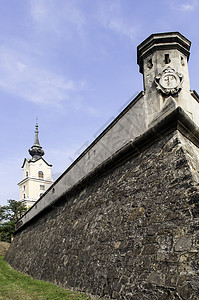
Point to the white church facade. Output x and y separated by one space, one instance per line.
36 175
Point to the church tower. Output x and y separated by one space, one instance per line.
36 174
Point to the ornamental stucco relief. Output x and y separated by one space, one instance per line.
169 82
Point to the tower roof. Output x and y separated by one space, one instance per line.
162 41
36 150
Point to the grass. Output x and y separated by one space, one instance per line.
17 286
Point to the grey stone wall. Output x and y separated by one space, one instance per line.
132 233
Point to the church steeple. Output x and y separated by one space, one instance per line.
36 150
36 174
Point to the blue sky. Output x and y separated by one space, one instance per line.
73 64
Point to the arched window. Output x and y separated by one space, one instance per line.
40 195
40 174
26 173
24 196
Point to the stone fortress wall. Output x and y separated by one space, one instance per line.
128 125
123 221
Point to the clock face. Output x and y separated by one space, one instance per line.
169 81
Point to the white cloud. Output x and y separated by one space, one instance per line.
24 74
29 81
39 10
62 19
186 7
111 16
68 18
120 27
183 5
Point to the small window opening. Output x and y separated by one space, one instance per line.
149 64
41 194
182 61
24 196
42 187
167 59
40 174
26 173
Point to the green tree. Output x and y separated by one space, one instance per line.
9 214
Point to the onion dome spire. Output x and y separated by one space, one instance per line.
36 150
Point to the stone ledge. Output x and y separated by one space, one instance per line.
195 95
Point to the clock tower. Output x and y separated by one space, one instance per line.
36 174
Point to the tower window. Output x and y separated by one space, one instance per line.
149 64
24 187
167 59
182 61
42 187
26 173
40 174
24 196
40 194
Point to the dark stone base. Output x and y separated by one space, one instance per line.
132 234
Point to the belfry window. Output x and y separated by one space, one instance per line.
40 174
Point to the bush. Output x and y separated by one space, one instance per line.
9 214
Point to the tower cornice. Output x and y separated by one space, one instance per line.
162 41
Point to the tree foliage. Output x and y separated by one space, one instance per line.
9 214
